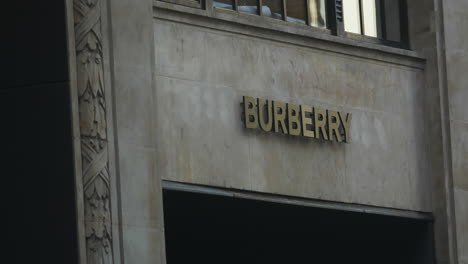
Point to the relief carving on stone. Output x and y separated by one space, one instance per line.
93 131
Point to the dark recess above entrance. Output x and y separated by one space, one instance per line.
204 228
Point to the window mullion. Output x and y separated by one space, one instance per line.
336 13
404 30
260 7
284 10
378 19
308 15
383 19
361 17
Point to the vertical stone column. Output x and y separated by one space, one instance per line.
119 197
426 24
134 98
93 128
455 53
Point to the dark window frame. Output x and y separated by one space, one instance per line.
381 26
334 19
283 12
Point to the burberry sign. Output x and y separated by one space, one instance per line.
296 120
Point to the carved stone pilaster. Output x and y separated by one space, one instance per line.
93 131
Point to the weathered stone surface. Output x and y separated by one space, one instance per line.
456 5
460 154
456 52
201 77
143 245
139 189
140 208
457 81
92 97
461 212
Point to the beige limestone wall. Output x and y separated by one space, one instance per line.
140 214
456 43
425 32
201 75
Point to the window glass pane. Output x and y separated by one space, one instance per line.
223 4
369 18
392 19
296 11
272 8
317 12
248 6
352 21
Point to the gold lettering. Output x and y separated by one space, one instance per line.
266 126
346 125
293 120
333 125
279 115
250 114
307 121
296 120
320 121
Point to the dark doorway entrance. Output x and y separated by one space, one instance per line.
202 228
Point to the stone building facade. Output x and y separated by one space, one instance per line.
156 92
